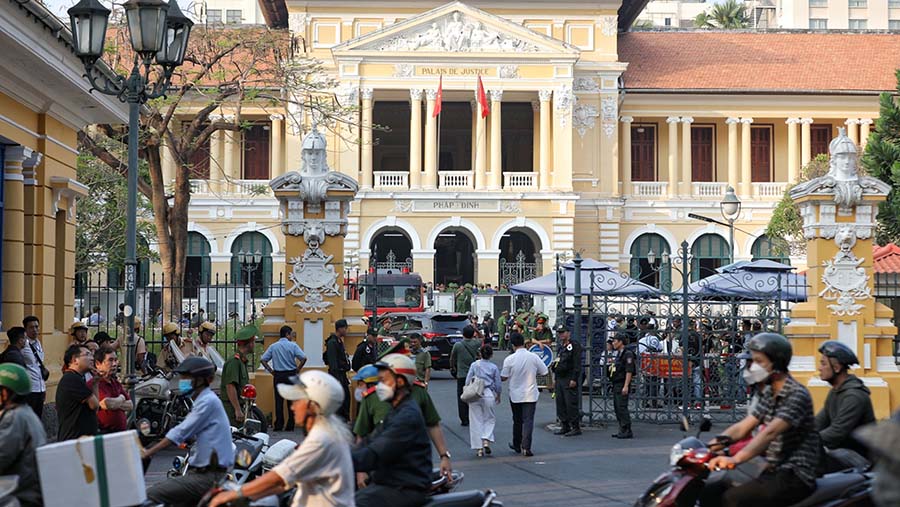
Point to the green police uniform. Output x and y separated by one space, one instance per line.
233 372
423 400
423 362
501 329
370 413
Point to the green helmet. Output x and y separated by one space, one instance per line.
15 378
775 346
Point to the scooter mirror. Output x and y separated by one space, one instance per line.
685 424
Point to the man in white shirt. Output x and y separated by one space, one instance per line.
34 360
521 368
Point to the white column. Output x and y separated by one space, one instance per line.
852 130
536 135
496 141
366 149
216 158
864 125
673 154
686 165
277 153
232 156
793 151
733 173
546 150
415 138
625 154
805 144
430 182
480 150
13 305
746 160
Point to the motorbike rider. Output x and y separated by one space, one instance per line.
321 467
21 433
207 331
848 405
398 451
789 439
207 423
235 374
169 356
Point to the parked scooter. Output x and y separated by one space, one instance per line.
158 405
251 411
682 484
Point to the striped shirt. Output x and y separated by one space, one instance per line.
797 448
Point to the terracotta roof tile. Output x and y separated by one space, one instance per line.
886 259
787 62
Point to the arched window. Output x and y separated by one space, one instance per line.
196 269
710 252
773 249
657 274
258 275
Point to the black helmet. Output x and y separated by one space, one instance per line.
837 350
775 346
196 367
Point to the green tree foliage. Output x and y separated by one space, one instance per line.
100 235
729 15
882 160
786 222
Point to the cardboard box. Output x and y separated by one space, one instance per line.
101 471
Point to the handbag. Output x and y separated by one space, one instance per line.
473 390
45 373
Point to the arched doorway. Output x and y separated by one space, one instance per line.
710 252
773 249
454 258
657 274
391 248
251 263
520 258
196 266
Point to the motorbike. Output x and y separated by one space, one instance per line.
252 413
158 405
682 484
249 456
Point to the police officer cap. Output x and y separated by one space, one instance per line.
246 334
340 323
561 328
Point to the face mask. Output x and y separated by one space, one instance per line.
384 391
185 385
755 374
359 394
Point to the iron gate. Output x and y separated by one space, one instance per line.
519 270
694 370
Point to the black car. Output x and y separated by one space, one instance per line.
439 330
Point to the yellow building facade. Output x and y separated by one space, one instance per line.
596 140
44 102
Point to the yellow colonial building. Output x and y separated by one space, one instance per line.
591 138
44 102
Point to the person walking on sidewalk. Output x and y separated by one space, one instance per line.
521 369
462 355
568 376
287 359
483 419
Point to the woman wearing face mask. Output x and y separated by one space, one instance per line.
320 468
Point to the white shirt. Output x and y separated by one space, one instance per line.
649 344
322 470
32 365
521 368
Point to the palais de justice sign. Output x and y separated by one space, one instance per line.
454 71
455 205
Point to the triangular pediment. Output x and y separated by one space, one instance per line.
455 28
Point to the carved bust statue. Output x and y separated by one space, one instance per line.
313 155
844 159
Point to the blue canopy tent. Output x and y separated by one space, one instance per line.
750 281
597 278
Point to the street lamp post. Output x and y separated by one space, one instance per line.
731 208
249 262
159 35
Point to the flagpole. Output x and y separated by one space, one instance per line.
440 114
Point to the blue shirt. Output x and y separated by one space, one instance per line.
283 354
208 424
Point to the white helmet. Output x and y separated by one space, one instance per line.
316 386
400 365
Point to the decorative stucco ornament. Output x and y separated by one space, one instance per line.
455 33
609 25
586 84
583 118
313 278
509 71
846 281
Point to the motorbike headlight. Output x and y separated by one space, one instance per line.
656 495
675 454
176 463
144 427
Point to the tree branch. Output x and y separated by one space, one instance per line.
111 160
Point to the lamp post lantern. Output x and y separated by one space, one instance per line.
159 35
731 209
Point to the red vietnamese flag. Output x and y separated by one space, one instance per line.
438 99
482 99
